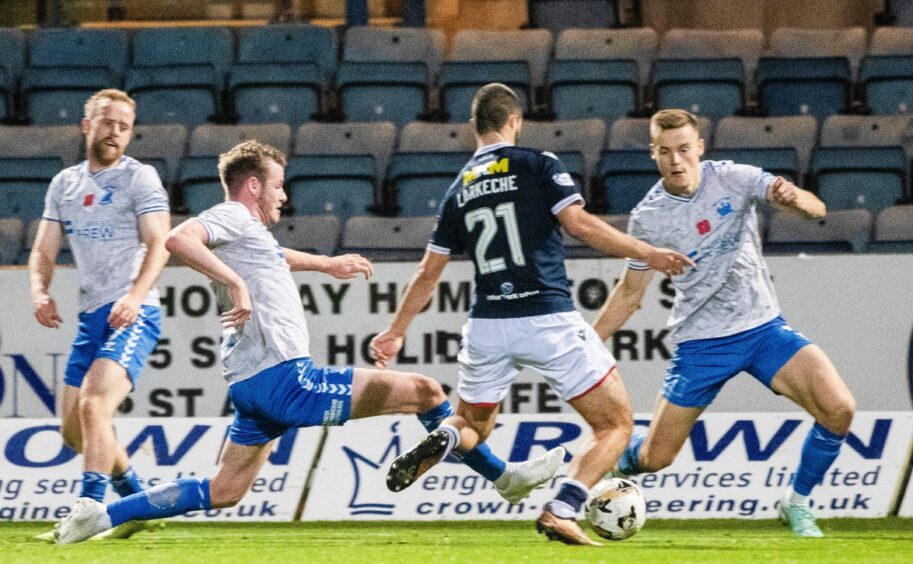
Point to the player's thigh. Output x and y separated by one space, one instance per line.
381 392
810 379
606 406
105 385
484 364
669 429
568 353
238 468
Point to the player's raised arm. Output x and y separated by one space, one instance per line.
603 237
189 242
41 269
343 267
785 194
386 344
622 302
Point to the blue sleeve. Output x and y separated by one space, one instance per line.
446 238
559 188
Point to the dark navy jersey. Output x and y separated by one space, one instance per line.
501 212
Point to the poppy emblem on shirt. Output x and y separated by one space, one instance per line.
703 227
88 200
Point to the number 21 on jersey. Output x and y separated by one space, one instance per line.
488 218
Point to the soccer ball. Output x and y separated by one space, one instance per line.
616 509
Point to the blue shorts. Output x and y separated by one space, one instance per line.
701 367
290 394
128 347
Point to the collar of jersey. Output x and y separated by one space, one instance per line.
682 198
488 148
121 164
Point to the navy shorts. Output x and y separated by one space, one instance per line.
129 347
291 394
701 367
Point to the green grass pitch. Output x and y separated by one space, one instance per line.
847 540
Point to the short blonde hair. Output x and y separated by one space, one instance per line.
670 119
244 160
109 94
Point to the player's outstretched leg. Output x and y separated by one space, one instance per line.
514 481
811 380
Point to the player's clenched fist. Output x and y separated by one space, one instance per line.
783 192
46 311
384 347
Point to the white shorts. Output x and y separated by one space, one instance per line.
560 346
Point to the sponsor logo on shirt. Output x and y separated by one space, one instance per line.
507 288
724 207
108 198
563 179
703 227
88 200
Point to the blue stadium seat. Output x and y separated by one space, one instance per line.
12 59
312 234
213 140
187 94
23 185
887 83
625 177
460 80
873 178
795 132
178 73
387 238
199 184
894 230
816 86
177 46
161 146
341 185
81 48
11 236
62 141
558 15
420 180
289 44
841 231
605 89
394 92
372 44
713 88
575 163
782 161
270 93
66 66
57 95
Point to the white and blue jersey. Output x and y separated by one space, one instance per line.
501 211
730 289
272 382
277 329
99 214
725 318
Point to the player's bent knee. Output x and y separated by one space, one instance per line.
224 495
839 416
428 392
